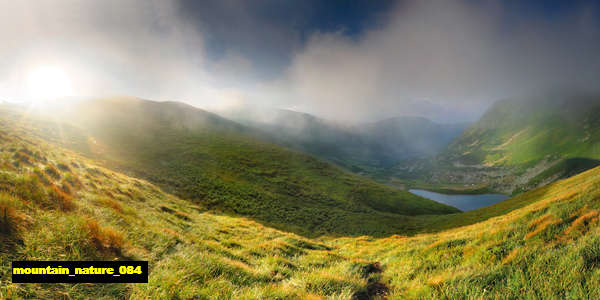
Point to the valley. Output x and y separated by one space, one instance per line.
299 150
364 148
55 199
517 145
223 165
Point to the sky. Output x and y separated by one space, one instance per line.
344 60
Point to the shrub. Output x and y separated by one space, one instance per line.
66 187
10 220
26 151
52 171
40 157
113 204
60 199
582 223
24 158
64 167
12 223
73 180
41 176
104 239
27 188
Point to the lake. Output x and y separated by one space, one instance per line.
462 202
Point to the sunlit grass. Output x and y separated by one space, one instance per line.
541 244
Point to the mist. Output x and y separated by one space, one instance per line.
111 48
444 60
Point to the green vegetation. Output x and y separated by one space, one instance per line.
56 204
193 253
517 145
515 132
225 166
443 188
548 249
563 169
366 149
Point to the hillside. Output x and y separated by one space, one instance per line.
225 166
548 249
366 148
334 142
520 144
56 204
522 131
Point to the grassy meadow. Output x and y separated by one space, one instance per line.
548 249
56 204
516 146
515 132
225 166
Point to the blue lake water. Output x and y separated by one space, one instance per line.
462 202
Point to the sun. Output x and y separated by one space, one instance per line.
48 83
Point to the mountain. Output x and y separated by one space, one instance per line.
410 137
56 204
519 144
366 148
334 142
522 131
226 166
529 252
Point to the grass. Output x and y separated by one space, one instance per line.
542 244
518 145
193 252
563 169
225 166
515 132
549 249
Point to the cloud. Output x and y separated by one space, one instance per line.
111 47
447 60
451 58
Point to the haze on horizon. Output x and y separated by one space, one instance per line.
360 61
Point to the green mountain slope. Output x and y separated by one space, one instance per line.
202 157
522 131
520 144
548 249
366 148
334 142
58 205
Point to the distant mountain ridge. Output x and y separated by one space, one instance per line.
521 131
55 203
202 157
519 144
360 147
409 137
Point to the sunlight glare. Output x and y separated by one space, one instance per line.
48 83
